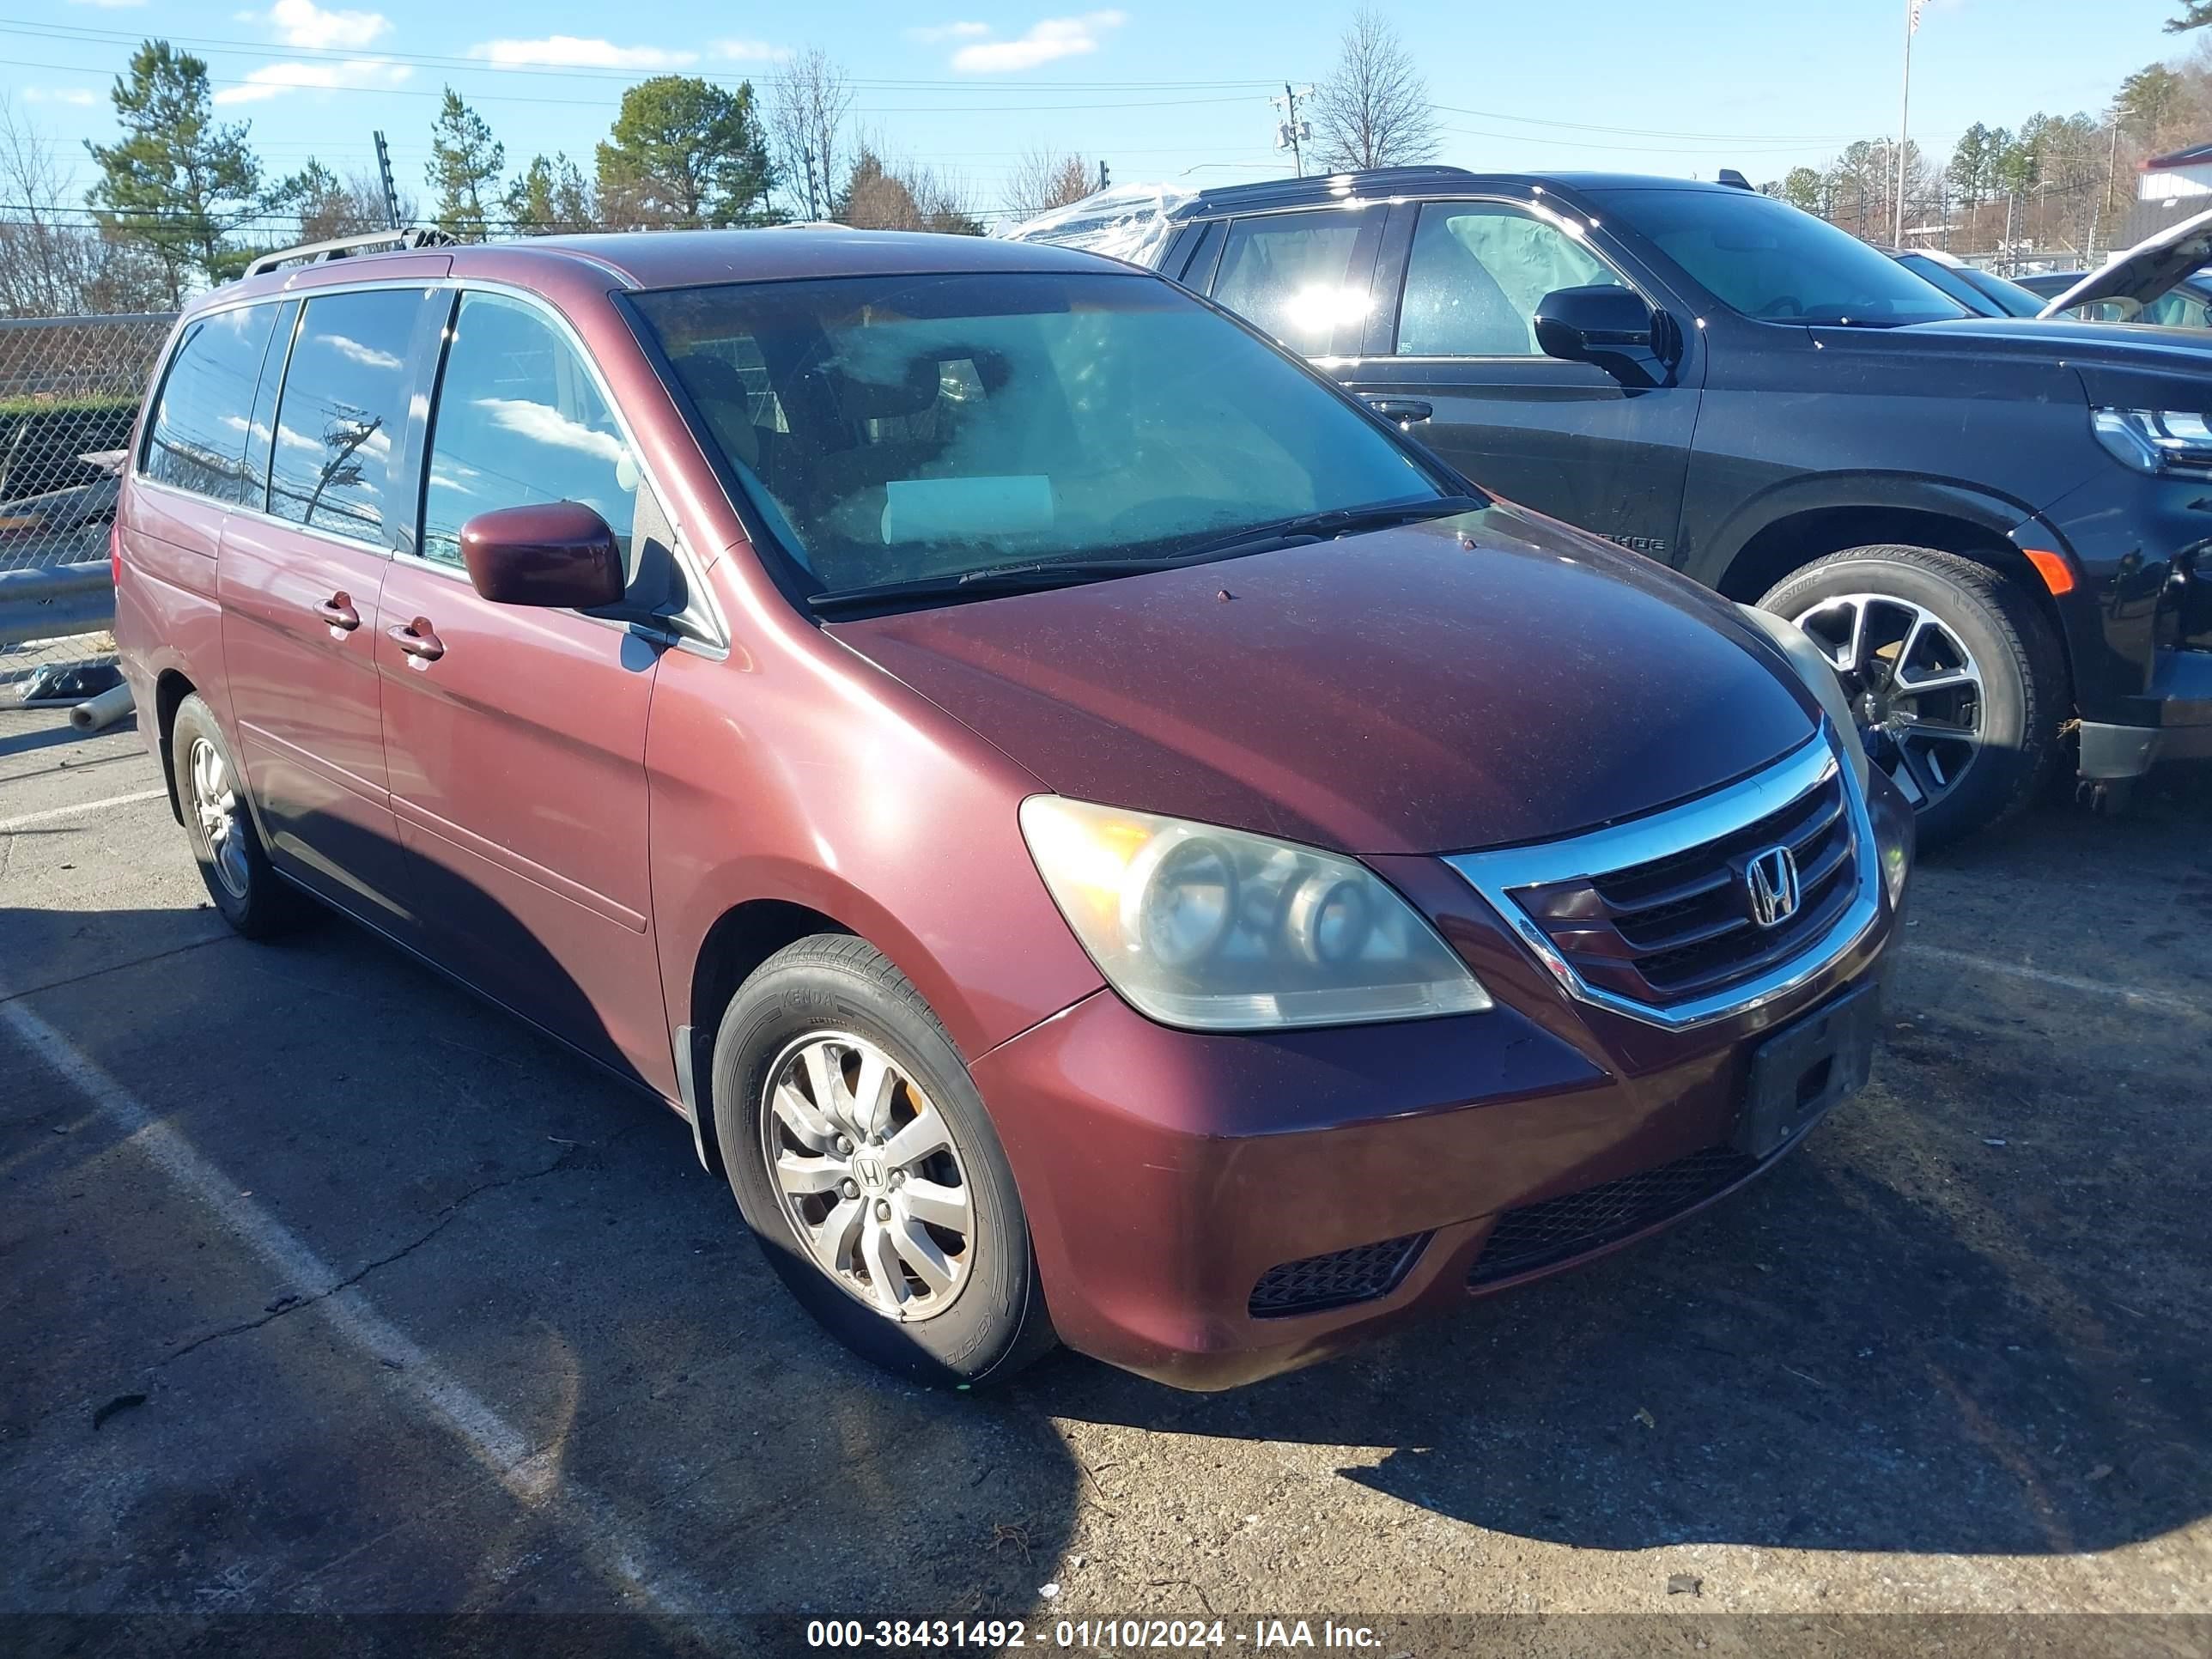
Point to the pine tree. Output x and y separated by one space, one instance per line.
465 164
175 181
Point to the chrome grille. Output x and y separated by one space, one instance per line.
1682 926
1655 917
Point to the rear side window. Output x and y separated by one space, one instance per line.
520 421
1476 275
344 407
196 439
1291 274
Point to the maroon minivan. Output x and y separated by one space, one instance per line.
1098 833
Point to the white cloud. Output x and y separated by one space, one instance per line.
1051 38
573 52
275 80
304 23
547 425
932 34
751 51
83 97
352 350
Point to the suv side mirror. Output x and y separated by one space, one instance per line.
556 554
1610 327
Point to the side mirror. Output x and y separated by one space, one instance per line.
1610 327
557 554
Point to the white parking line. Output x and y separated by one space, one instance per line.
54 813
534 1476
2062 981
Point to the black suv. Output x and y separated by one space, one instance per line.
1992 525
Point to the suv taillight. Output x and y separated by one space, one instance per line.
115 553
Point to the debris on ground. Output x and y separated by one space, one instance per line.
122 1402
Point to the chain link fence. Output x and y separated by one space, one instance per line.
69 388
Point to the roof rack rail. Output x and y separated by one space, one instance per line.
340 247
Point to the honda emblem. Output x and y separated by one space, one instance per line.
1769 882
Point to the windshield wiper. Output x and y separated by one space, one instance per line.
1043 574
1327 524
983 584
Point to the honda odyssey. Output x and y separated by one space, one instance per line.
1095 834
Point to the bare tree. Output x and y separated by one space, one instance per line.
881 195
52 263
806 114
1044 180
1373 110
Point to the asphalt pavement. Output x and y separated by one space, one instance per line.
325 1289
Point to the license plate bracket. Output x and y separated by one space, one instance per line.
1805 1068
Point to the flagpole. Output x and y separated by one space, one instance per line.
1904 118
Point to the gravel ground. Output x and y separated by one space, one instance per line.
329 1290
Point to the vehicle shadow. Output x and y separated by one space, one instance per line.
1875 1387
542 1234
1966 1318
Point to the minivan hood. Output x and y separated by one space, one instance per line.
2146 270
1489 678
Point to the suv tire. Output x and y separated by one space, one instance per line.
219 822
2010 688
797 1059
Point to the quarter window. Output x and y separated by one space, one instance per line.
343 408
520 421
1476 275
197 438
1291 275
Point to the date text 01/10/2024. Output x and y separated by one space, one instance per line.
1097 1635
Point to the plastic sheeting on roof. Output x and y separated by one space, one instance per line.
1126 222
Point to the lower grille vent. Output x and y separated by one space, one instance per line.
1357 1274
1576 1223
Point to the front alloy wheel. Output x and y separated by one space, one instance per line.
870 1178
1913 685
866 1165
1954 673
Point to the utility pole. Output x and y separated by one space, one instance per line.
2112 177
383 171
1104 177
1290 132
1905 115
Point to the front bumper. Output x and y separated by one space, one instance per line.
2138 621
1168 1174
2171 720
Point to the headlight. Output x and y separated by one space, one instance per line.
2155 440
1222 930
1818 674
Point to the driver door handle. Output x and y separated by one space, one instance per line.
417 639
337 610
1408 410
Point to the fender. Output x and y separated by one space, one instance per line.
1989 510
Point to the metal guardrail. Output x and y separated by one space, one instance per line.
55 603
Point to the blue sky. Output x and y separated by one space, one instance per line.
1161 91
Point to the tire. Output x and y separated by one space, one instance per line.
2010 649
834 1001
234 864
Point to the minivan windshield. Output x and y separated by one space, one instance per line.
914 434
1766 259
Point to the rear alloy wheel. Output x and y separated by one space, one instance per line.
863 1162
1952 674
219 823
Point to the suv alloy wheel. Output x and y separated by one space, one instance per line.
1952 672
